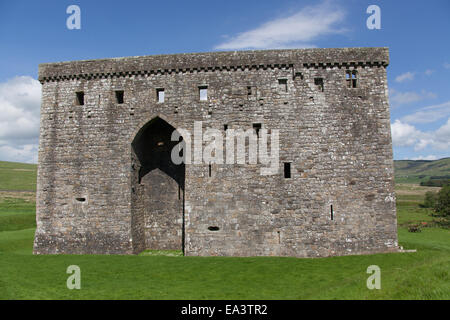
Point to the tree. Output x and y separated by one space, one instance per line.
442 205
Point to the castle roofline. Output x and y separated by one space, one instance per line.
211 61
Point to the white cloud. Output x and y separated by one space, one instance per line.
403 134
27 153
429 157
297 30
405 97
406 135
404 77
429 114
399 98
19 119
429 72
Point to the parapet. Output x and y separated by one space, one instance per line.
213 61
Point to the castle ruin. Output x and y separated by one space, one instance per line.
107 185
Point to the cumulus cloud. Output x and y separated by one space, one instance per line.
429 114
297 30
407 135
19 119
404 77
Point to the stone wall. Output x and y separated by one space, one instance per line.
93 197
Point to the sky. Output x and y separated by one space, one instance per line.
416 32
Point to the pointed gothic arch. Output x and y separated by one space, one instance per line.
157 189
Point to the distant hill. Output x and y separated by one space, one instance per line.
17 176
416 171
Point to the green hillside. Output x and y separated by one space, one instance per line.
22 176
17 176
416 171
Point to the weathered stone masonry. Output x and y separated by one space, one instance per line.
106 183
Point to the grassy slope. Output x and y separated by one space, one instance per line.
420 275
415 171
17 176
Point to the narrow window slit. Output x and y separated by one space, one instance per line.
287 170
331 212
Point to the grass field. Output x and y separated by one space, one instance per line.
17 176
168 275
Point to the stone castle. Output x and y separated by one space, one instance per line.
107 185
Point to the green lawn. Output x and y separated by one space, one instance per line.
167 275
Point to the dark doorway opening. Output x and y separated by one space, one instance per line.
159 184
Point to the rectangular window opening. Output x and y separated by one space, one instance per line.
331 212
287 170
298 76
160 95
282 85
257 127
80 98
319 83
203 93
351 78
225 127
119 96
209 170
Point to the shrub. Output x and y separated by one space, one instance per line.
430 199
414 228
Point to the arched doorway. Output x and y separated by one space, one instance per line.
157 189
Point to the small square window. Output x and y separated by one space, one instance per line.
298 76
119 97
160 95
319 83
80 98
203 93
282 85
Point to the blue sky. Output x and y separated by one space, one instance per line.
416 32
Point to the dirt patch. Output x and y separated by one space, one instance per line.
25 195
405 189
